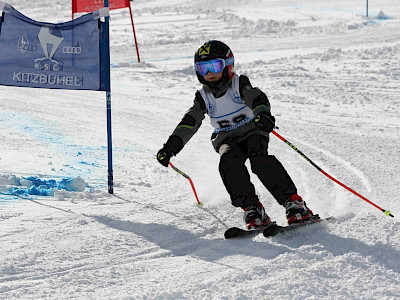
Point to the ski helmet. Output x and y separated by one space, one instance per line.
213 50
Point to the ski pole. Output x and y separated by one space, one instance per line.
190 180
386 212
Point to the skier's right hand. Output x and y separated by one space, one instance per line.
171 148
163 157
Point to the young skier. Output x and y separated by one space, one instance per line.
242 120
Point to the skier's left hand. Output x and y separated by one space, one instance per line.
265 121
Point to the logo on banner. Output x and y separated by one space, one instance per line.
50 44
77 49
23 45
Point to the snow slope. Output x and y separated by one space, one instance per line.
332 77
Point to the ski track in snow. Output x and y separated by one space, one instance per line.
332 77
341 195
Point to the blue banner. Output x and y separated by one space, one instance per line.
56 56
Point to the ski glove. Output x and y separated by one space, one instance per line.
265 121
164 157
171 148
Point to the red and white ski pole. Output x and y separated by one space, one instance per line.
190 180
386 212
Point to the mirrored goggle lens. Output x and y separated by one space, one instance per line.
213 66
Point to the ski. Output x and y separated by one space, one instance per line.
234 232
275 229
271 229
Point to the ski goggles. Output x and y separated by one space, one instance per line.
214 66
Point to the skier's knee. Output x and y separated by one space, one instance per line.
258 146
261 163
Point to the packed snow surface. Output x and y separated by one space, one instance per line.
332 76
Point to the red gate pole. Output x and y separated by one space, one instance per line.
73 8
134 33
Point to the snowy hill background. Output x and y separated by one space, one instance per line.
332 76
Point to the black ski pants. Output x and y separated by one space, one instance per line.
269 170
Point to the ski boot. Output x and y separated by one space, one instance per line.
255 216
297 210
